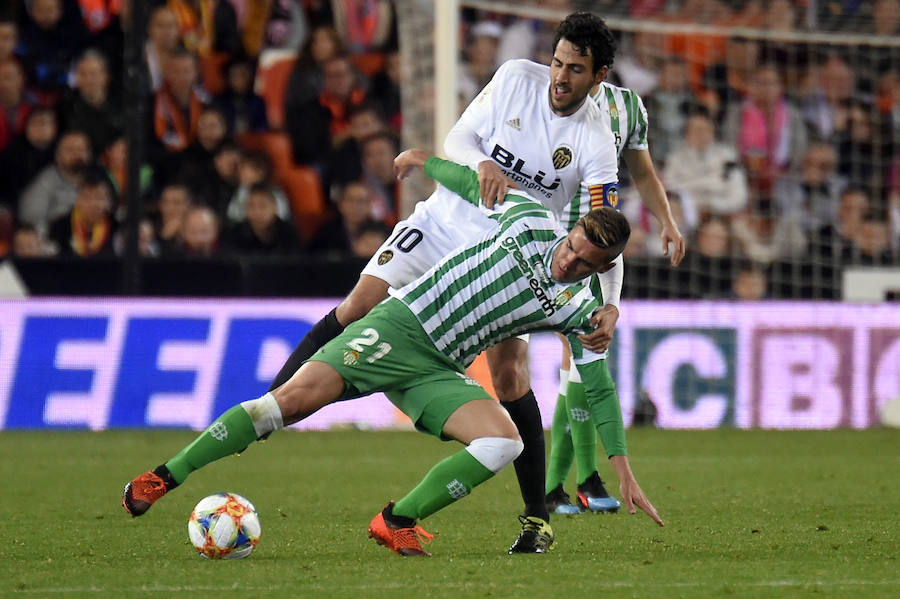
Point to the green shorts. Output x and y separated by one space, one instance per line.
388 351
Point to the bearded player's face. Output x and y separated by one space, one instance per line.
571 78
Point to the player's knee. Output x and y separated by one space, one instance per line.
495 453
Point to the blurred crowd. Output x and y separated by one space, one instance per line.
218 176
772 149
271 125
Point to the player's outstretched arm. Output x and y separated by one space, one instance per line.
408 160
631 491
653 195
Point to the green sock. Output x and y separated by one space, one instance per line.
584 435
450 479
561 452
230 433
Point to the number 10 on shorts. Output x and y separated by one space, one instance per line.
368 339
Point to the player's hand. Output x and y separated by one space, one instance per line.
492 183
407 160
604 320
671 234
631 492
632 495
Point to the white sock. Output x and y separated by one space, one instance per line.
265 414
495 453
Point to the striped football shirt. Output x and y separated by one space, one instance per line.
625 115
498 286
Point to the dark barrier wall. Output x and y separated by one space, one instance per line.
698 277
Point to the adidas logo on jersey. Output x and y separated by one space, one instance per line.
515 124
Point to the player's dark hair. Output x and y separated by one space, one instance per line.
587 31
606 228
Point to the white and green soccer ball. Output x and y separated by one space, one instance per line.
224 525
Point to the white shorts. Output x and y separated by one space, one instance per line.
425 238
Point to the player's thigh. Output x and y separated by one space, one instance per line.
508 364
477 419
430 400
313 386
566 352
415 245
384 350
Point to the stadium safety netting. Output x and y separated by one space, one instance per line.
773 127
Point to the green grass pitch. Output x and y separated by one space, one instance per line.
748 513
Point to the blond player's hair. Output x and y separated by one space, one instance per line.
606 228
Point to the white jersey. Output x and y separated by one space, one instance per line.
555 159
567 163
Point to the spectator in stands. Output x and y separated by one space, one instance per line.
384 89
323 122
15 103
835 238
344 161
637 65
765 235
244 110
262 231
196 163
831 86
53 191
90 106
728 82
684 213
9 38
48 42
863 150
767 130
6 230
713 238
873 246
668 107
106 22
207 26
812 200
218 186
378 152
354 209
163 38
199 233
479 59
792 57
370 237
254 169
178 104
26 243
27 154
365 26
750 283
306 82
637 242
147 245
87 230
706 171
173 204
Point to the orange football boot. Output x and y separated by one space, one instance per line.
403 541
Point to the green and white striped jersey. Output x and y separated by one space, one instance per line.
499 286
624 113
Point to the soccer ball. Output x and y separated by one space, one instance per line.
224 525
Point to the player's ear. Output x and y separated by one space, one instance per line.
600 76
